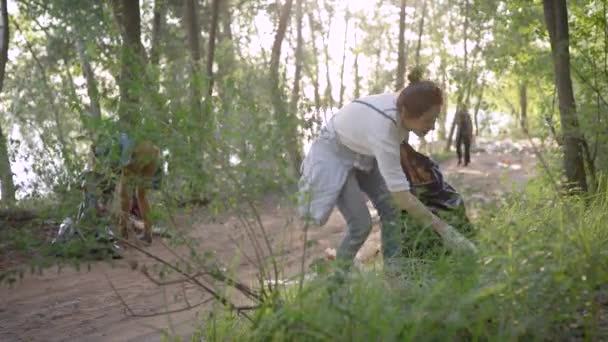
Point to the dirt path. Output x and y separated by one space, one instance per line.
83 305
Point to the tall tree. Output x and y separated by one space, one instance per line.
556 19
6 174
193 33
420 32
314 71
89 75
158 23
132 61
402 49
287 131
343 65
523 105
215 12
295 93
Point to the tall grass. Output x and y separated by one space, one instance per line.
541 263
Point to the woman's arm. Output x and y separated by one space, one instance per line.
412 205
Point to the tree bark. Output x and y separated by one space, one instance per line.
523 104
314 74
328 100
342 66
479 99
215 10
89 75
420 32
7 185
158 23
357 91
295 94
402 53
193 33
556 18
287 131
132 70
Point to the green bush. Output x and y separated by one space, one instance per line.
541 262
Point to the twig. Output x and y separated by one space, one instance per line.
216 295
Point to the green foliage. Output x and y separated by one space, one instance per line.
535 279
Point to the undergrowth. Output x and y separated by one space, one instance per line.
541 263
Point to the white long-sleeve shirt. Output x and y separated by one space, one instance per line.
366 131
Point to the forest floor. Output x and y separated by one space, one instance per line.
89 305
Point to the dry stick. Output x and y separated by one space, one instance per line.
217 296
169 282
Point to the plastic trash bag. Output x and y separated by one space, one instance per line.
428 185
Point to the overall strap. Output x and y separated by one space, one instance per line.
377 110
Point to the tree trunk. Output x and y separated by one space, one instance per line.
211 52
479 99
132 68
523 104
402 54
287 131
342 67
357 91
444 109
295 94
314 74
193 34
420 32
7 185
556 17
328 100
158 22
89 75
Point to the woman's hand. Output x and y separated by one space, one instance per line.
451 237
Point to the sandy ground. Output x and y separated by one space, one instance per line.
89 305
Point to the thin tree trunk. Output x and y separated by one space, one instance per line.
158 22
211 50
556 17
523 104
295 94
444 108
132 71
193 34
357 91
89 75
479 99
420 32
402 53
328 101
315 71
7 185
342 67
286 130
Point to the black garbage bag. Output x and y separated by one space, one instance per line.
428 185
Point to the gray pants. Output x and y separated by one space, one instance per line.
333 175
352 205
